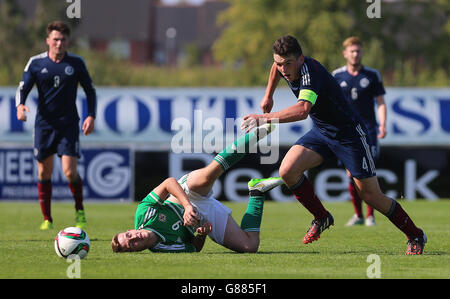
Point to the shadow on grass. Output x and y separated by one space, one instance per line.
264 252
355 252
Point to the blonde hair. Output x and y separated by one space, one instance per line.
352 40
115 244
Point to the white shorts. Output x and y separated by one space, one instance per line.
210 209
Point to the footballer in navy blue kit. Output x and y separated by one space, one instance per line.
337 131
363 87
57 74
361 90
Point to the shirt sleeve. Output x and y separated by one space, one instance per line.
155 197
309 86
173 247
25 85
378 88
88 87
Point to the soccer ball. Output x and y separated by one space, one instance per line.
72 240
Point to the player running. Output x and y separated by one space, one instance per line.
361 86
167 218
56 74
337 130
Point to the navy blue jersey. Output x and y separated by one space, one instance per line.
362 90
331 111
57 85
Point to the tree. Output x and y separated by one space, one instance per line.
411 32
22 37
252 27
13 37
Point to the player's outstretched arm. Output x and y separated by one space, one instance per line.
293 113
171 186
266 103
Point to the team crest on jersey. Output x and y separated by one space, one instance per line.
162 217
364 82
68 70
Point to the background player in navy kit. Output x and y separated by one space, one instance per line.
57 74
362 86
337 130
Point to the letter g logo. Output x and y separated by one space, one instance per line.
106 176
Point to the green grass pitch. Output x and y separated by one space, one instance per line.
341 252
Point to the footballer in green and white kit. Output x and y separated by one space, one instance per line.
165 219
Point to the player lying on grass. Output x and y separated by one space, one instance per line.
167 218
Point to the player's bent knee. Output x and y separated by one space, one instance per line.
71 175
199 184
242 243
374 199
251 245
286 172
367 198
248 248
253 249
290 176
44 176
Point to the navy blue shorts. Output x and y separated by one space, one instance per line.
374 146
372 140
61 141
350 146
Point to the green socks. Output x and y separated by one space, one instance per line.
234 152
251 221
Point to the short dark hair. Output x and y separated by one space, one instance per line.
287 45
58 26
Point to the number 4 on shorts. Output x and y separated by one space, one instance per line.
364 164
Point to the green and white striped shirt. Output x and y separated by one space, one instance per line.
165 219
